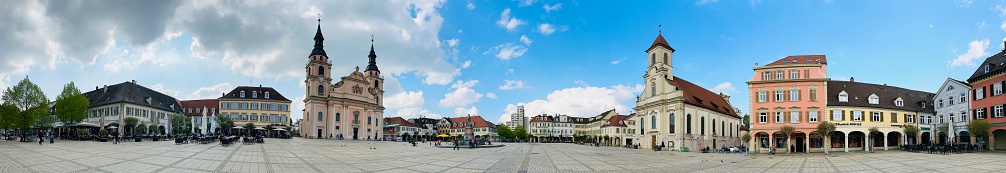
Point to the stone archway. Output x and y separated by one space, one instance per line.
926 138
942 138
1000 137
964 137
893 138
857 140
761 141
838 139
799 140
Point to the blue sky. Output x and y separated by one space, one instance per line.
451 58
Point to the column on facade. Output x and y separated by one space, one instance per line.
846 143
771 142
884 136
806 143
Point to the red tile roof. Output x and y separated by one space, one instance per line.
696 95
400 121
800 59
617 121
743 128
456 122
539 119
199 104
660 42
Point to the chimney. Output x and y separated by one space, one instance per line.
852 79
105 88
134 81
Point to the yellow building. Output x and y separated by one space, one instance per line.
856 107
260 106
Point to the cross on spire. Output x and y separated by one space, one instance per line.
658 27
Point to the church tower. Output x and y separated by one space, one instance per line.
317 82
659 68
374 74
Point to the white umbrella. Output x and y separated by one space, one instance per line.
113 127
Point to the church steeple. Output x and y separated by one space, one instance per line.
372 65
319 42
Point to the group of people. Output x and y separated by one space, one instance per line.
44 135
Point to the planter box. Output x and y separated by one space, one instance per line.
103 139
137 139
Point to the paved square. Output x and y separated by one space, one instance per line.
314 155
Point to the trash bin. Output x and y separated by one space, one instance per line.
684 149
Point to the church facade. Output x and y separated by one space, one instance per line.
350 107
676 113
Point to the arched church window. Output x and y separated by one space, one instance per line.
321 70
321 90
653 59
665 59
653 88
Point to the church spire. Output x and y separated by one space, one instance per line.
319 41
372 65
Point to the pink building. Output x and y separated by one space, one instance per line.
351 108
790 91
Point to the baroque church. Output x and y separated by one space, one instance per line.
351 108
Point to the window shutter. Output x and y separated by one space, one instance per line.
894 117
974 114
799 95
819 118
771 97
785 95
845 115
785 117
881 116
831 115
984 91
974 95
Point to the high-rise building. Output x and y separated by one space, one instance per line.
518 119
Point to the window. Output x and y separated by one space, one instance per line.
665 59
267 94
950 101
986 68
778 75
242 94
254 94
321 70
368 120
762 96
766 75
794 116
254 106
909 118
963 98
997 88
778 117
857 115
813 116
671 121
653 59
762 117
702 125
319 116
321 90
843 97
794 95
874 99
963 115
793 74
939 103
899 103
356 116
998 111
876 116
653 122
688 123
813 94
337 116
979 93
779 95
244 105
254 117
653 89
806 73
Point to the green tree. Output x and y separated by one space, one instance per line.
911 131
155 130
249 127
825 129
29 101
979 129
225 123
788 131
131 123
180 124
7 114
747 120
71 105
874 132
504 131
141 128
520 133
746 138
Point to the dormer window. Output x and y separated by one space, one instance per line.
899 102
784 61
808 60
242 94
874 99
254 94
986 68
267 94
843 97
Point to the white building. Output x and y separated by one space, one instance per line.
952 105
518 119
111 104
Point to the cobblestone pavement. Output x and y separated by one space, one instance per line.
314 155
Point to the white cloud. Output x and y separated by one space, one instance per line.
981 25
453 42
725 88
405 100
461 111
467 64
415 112
512 84
613 62
524 3
470 6
296 106
507 22
546 29
930 26
507 51
570 101
160 88
550 8
509 72
1003 26
976 51
460 97
704 2
964 3
210 92
464 84
491 96
525 40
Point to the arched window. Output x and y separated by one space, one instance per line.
376 84
702 125
653 88
267 94
653 122
321 70
321 90
671 121
688 123
714 126
665 59
722 128
368 120
337 116
642 128
319 116
356 116
653 59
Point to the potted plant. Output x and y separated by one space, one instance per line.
103 135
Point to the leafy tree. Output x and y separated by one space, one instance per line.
788 131
746 138
8 112
29 102
747 120
225 123
825 129
71 105
131 123
180 124
979 128
504 131
141 128
249 127
406 136
874 132
520 133
911 131
155 130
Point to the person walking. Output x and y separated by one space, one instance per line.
40 139
50 137
456 145
115 138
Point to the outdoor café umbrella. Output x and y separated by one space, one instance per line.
239 128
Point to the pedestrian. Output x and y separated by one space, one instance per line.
40 139
50 137
115 138
455 144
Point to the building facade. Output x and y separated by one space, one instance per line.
111 104
679 113
202 122
855 107
987 98
518 119
260 106
788 92
351 108
952 111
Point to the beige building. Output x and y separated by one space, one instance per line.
260 106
